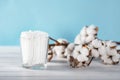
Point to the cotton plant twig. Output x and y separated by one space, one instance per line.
54 40
57 43
90 61
117 42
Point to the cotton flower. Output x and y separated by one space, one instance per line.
80 56
111 44
95 53
60 50
86 35
83 31
108 52
106 59
69 49
64 41
116 58
96 43
77 39
57 50
89 38
92 29
102 50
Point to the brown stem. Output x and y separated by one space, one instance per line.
54 40
117 42
90 61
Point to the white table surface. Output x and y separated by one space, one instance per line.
11 69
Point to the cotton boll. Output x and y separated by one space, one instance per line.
116 58
104 57
111 52
95 53
78 47
102 50
83 31
111 44
92 29
76 51
83 40
89 38
109 55
90 46
82 58
78 39
59 51
67 52
69 49
79 56
71 46
92 26
84 50
75 54
106 60
63 41
96 43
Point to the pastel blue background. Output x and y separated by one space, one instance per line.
60 18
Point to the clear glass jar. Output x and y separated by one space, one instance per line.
34 47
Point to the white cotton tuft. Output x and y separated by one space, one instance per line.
78 39
116 58
86 35
106 60
96 43
91 30
111 44
75 54
83 31
111 52
69 49
89 38
82 58
95 53
82 40
92 26
84 51
64 41
59 50
102 50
